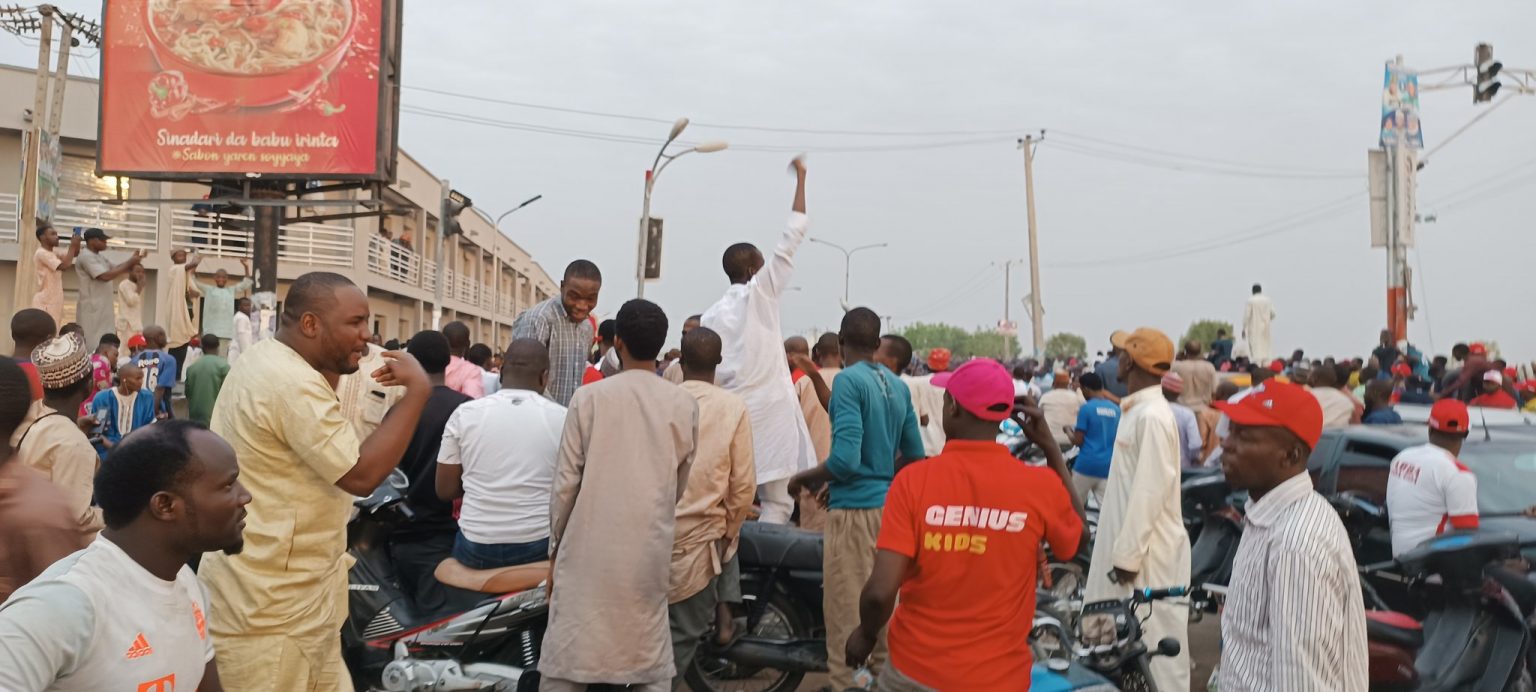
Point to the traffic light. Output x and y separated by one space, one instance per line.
453 205
1487 84
653 249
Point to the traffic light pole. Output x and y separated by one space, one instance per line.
442 262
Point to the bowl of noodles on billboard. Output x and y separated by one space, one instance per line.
249 53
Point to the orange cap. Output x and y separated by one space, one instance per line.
1151 349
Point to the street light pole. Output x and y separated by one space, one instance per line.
847 261
496 279
651 174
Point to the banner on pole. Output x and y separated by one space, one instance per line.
1400 108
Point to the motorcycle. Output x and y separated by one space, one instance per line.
1214 517
1475 630
781 586
1126 661
390 644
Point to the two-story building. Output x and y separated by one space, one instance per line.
487 278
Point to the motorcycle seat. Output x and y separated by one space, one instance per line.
451 572
1519 587
1397 629
773 545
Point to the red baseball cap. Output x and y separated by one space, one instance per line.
981 386
1278 405
938 359
1277 366
137 340
1450 416
1477 350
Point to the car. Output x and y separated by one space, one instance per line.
1491 417
1503 457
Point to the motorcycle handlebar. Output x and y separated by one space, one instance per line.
1149 595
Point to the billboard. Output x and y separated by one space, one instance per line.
1400 108
296 89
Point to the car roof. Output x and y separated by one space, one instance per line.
1408 434
1419 413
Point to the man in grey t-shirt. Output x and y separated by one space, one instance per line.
94 311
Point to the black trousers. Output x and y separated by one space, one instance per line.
415 560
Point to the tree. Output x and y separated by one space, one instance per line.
1204 331
983 341
1066 345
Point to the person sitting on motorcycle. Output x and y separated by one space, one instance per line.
498 453
1295 616
959 539
1428 489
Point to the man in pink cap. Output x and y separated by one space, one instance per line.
1295 618
959 541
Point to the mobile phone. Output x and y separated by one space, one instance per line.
77 231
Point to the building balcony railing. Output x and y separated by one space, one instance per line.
394 261
9 203
313 244
132 226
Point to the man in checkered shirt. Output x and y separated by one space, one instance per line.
562 325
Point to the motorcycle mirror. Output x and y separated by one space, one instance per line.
1168 647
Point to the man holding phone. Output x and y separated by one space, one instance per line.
94 310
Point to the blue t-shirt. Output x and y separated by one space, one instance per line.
1382 416
1099 419
159 371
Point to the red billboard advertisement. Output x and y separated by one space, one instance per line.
203 89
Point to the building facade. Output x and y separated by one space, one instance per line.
487 278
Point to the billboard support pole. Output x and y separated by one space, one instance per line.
26 226
266 223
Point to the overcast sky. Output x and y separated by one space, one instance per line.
1290 92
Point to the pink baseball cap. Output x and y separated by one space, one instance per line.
981 386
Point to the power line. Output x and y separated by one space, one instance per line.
1203 159
717 126
1191 166
651 141
1259 232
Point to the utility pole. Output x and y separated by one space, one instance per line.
442 262
47 115
1036 315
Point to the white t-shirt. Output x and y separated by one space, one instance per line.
507 444
97 620
1427 486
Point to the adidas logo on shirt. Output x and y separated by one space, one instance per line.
140 648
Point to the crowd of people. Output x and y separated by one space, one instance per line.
631 472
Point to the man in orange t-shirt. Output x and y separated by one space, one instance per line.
960 539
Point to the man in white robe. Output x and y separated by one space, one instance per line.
1256 320
754 368
1141 541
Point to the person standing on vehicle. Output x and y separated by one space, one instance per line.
705 575
499 454
277 608
960 541
747 320
872 422
127 612
1294 618
1094 435
417 546
1258 314
1429 490
624 459
1141 541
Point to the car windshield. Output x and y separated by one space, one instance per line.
1506 474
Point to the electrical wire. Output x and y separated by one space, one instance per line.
967 289
651 141
1423 300
1262 231
1203 159
716 126
1191 166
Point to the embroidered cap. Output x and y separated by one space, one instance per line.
62 361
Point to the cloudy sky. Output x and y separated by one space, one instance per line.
1192 149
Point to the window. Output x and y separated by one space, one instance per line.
1363 468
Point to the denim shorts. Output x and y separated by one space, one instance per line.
493 555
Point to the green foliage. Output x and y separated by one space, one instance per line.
962 344
1066 345
1204 331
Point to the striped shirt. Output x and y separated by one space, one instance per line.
1295 618
568 342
